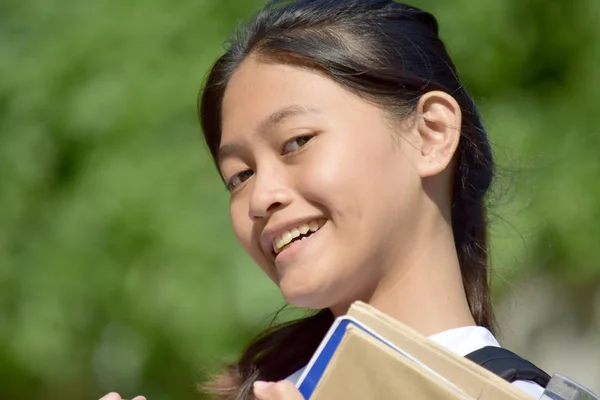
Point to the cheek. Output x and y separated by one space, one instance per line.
243 230
346 172
241 225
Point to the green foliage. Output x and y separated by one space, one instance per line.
118 268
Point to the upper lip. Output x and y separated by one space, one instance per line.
271 232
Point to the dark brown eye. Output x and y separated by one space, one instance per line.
296 143
238 179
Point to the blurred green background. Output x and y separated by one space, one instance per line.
118 267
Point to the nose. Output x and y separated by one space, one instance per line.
270 192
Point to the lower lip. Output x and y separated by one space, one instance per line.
290 253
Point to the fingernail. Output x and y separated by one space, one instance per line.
139 398
260 385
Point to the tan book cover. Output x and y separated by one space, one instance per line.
474 380
363 368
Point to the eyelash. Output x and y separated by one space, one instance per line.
248 173
297 138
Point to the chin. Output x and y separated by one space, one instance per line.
306 294
314 293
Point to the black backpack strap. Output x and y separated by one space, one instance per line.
508 365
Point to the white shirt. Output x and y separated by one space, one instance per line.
463 341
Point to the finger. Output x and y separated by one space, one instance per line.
112 396
116 396
261 389
282 390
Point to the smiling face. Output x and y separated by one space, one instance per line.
324 193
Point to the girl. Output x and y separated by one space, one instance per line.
358 169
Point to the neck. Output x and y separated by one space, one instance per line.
424 289
429 297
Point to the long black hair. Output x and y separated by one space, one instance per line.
389 53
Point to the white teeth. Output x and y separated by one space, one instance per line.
286 237
304 229
278 243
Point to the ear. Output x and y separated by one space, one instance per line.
439 128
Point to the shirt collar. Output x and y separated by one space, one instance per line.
465 340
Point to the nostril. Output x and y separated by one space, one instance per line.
274 207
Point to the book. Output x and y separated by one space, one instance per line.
369 355
354 343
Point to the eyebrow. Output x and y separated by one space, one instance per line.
268 124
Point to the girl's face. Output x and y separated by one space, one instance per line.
324 194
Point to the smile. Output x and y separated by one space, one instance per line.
290 236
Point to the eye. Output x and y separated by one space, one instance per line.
238 179
295 144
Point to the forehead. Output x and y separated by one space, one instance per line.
258 89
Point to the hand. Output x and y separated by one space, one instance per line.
282 390
116 396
